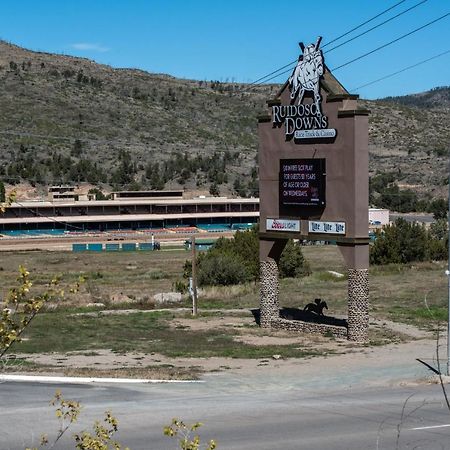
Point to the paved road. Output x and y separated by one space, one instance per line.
410 217
241 413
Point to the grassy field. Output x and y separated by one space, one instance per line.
132 279
146 332
111 278
401 293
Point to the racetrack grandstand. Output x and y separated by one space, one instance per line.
71 216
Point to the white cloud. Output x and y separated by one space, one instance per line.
90 47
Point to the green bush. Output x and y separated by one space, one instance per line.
236 260
99 195
223 270
438 250
404 242
2 192
439 208
292 262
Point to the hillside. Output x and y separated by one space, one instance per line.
70 119
412 143
436 98
67 119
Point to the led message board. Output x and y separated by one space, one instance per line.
302 182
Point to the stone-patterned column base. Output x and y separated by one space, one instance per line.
358 305
269 289
298 326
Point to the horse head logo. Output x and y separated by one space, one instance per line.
307 73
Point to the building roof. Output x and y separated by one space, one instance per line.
125 217
155 201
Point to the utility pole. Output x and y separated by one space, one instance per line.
448 273
194 278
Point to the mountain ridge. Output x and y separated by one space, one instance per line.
70 119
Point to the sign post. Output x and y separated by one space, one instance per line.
448 276
194 278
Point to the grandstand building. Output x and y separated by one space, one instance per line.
132 212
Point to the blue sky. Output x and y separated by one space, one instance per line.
237 40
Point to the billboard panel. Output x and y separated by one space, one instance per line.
302 182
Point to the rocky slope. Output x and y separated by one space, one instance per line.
67 119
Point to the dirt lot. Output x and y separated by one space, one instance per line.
111 327
402 342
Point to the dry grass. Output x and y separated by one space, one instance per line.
112 279
131 280
156 372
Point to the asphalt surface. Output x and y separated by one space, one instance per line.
411 217
241 412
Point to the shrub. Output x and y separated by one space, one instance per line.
439 208
439 229
396 199
180 285
438 250
404 242
222 269
236 260
401 242
99 195
292 262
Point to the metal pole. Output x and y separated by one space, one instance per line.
194 279
448 275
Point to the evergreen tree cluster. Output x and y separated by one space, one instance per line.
182 167
404 242
57 168
78 166
385 193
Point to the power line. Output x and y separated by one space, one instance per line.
255 83
22 134
378 48
391 42
364 23
400 71
334 40
341 36
377 26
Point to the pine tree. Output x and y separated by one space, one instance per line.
2 192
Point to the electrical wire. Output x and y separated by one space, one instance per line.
336 68
400 71
334 40
72 139
343 35
392 42
254 84
364 23
375 49
376 26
